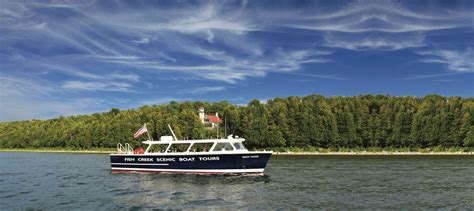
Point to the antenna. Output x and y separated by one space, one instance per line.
174 136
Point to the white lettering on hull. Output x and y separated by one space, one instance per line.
145 159
165 160
208 158
186 159
181 159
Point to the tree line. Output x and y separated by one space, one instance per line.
300 122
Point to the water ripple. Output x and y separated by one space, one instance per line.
76 181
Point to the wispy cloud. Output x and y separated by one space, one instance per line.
143 40
22 98
204 90
18 86
333 76
379 16
455 60
426 76
374 41
97 86
373 25
227 68
124 76
74 48
443 80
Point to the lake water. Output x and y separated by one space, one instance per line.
84 181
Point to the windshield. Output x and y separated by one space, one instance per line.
223 147
239 146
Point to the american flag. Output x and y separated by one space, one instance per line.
140 131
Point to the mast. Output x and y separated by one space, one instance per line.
174 136
149 137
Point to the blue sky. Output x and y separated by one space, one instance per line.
79 57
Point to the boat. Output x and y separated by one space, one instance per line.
207 156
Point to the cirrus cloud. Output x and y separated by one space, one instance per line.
455 60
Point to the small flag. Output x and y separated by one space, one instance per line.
140 131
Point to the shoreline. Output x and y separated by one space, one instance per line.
287 153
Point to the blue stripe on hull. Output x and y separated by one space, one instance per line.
191 162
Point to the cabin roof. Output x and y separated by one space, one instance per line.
196 141
214 119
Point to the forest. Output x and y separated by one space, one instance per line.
312 121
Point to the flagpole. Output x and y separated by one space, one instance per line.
149 137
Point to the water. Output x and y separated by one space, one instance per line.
84 181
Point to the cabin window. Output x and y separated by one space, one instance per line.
239 146
178 148
201 147
223 147
156 148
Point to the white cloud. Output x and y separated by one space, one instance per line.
444 80
230 69
455 60
83 46
426 76
22 99
202 19
143 40
263 101
97 86
377 16
13 86
125 76
229 55
376 41
306 75
204 90
373 25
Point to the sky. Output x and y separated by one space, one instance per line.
80 57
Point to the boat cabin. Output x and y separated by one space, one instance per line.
167 144
171 144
